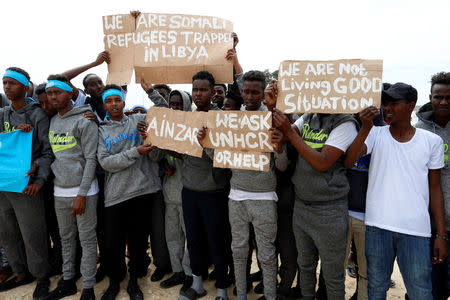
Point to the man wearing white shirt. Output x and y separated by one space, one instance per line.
404 181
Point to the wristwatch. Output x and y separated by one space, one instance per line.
150 91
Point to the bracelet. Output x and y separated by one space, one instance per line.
444 237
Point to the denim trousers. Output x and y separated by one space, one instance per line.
413 258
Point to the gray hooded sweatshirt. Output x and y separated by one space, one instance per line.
172 184
425 114
127 173
41 152
74 142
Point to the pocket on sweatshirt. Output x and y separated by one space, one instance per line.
67 173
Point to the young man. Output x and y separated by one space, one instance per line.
74 143
219 93
253 201
232 101
404 182
434 116
320 219
174 221
131 184
22 216
164 90
204 201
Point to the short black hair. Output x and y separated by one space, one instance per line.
163 86
236 98
19 70
255 76
40 89
205 75
222 85
112 86
85 81
440 78
59 77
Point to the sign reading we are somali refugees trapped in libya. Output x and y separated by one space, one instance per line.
335 86
167 48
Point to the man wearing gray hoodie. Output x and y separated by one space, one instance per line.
22 221
74 143
434 116
131 184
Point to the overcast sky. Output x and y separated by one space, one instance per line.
48 37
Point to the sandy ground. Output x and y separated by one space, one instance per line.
152 290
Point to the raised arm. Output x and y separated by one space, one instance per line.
358 148
101 58
153 94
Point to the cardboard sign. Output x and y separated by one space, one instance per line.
175 130
336 86
247 160
239 130
167 48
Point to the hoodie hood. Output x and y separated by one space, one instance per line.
187 104
76 111
425 113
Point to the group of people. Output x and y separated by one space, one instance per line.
98 193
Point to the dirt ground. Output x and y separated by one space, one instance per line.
152 290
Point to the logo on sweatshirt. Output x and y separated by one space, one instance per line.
7 127
446 154
133 135
314 138
61 141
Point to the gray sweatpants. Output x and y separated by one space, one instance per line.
321 231
23 233
263 215
176 239
84 225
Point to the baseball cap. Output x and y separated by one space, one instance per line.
400 91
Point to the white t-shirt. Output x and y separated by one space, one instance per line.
81 99
73 191
238 195
398 193
340 137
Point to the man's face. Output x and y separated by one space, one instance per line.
13 89
229 104
201 93
440 100
218 95
397 110
253 94
94 86
176 102
46 106
114 106
58 98
163 92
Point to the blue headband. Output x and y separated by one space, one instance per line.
111 92
17 76
58 84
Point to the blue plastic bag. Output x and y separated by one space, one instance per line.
15 160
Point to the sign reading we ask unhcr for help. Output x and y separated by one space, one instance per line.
335 86
167 48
